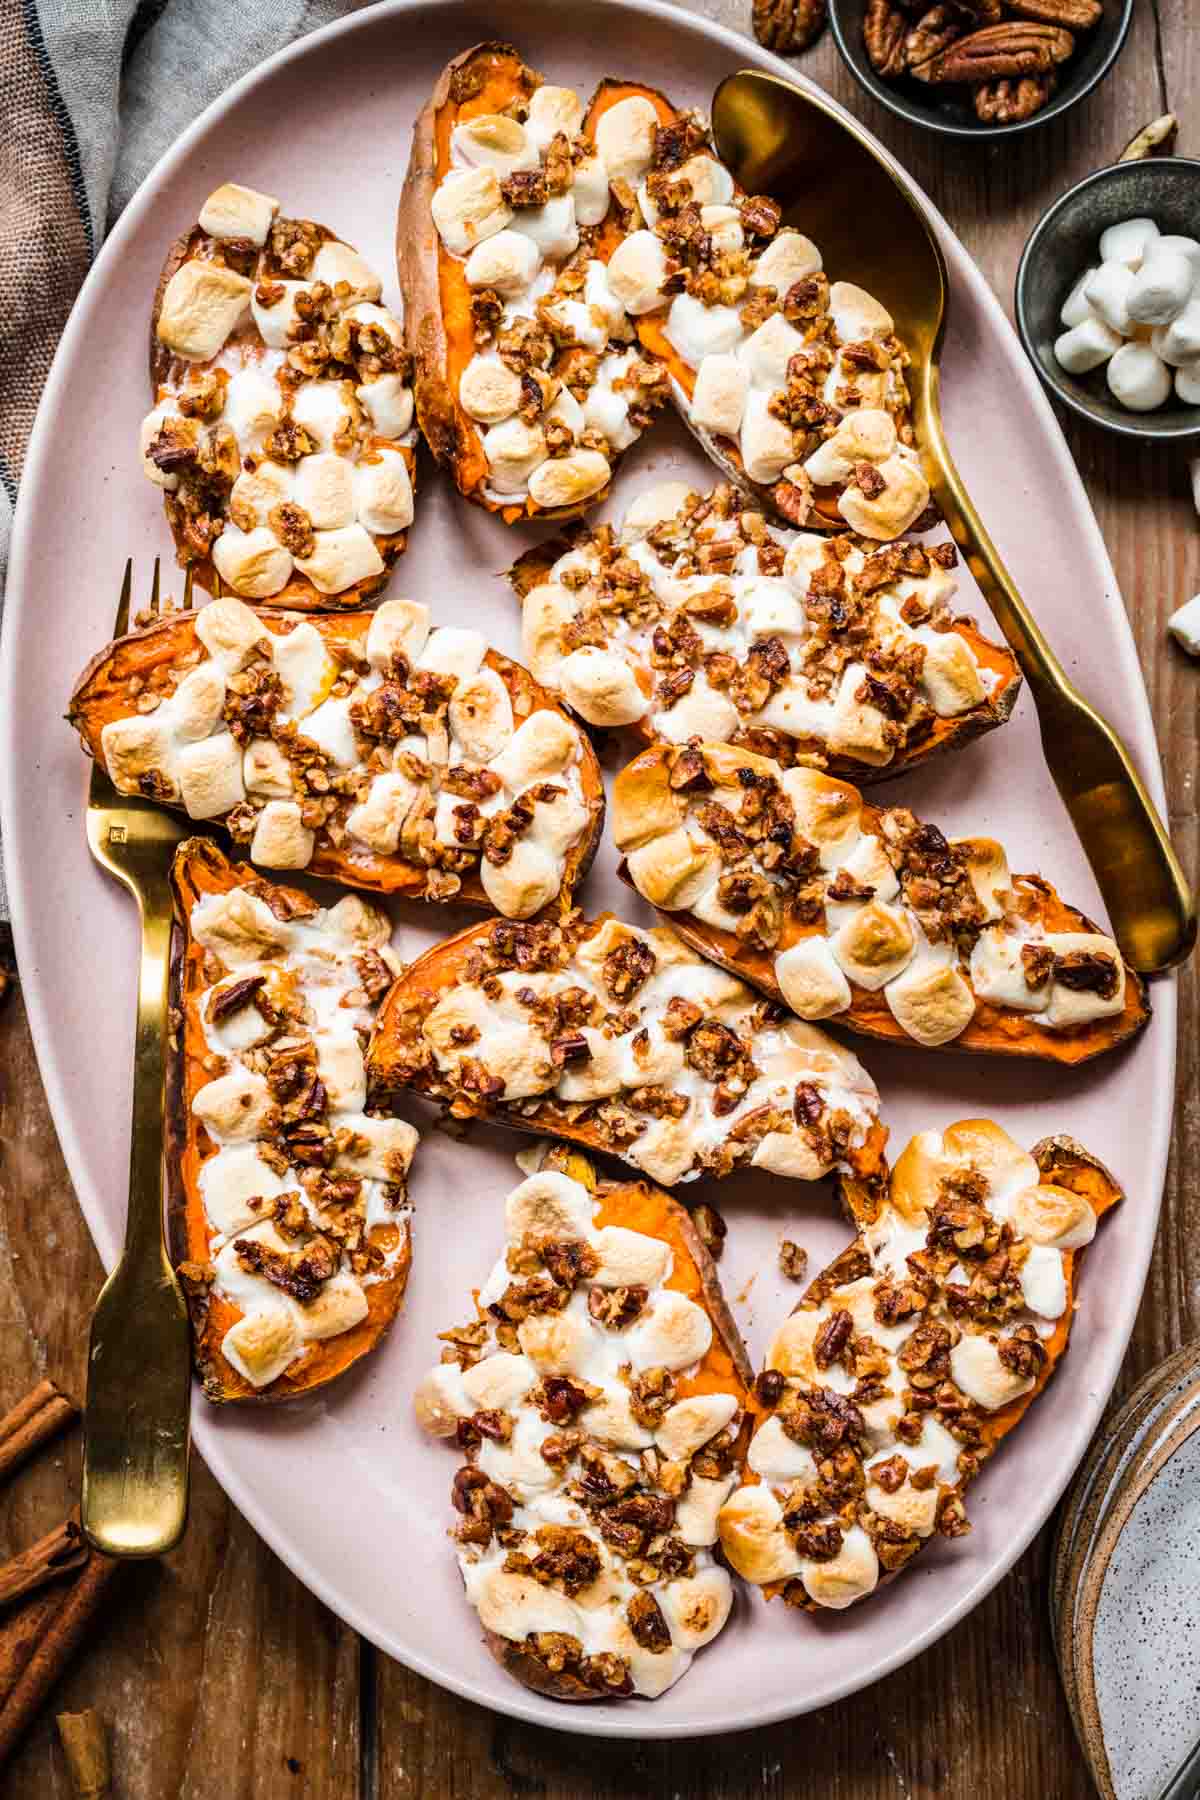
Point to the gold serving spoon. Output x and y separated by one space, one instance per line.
792 145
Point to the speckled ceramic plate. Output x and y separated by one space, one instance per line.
343 1487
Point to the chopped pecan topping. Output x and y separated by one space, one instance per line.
617 1307
647 1623
627 967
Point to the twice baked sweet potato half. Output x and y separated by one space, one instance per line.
287 1208
866 915
363 747
626 1041
599 1395
794 385
911 1358
698 619
529 379
282 429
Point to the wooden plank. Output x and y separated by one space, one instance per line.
216 1669
225 1680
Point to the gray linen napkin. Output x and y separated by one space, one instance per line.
92 92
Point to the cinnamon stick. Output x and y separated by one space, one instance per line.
38 1641
85 1746
52 1557
43 1412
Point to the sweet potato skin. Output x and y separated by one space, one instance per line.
199 869
428 275
101 694
993 1031
423 983
299 595
533 568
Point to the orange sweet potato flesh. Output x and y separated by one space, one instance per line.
201 869
1064 1163
994 1030
299 595
488 78
533 569
418 991
104 693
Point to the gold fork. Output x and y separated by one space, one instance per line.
135 1422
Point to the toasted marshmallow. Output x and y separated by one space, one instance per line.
538 750
885 515
210 776
234 1107
524 884
567 480
724 227
493 141
201 305
468 207
548 1205
550 230
261 1345
933 1003
589 191
252 562
253 406
702 712
697 1607
238 212
765 441
673 1332
1069 1006
697 331
454 650
507 262
266 772
260 490
545 610
481 715
383 492
653 506
976 1367
135 747
388 403
398 627
874 944
336 263
868 435
710 181
228 1183
607 412
341 559
636 272
1053 1217
281 840
488 390
305 668
381 1151
673 871
1086 346
377 819
768 351
811 981
275 321
849 1576
950 678
1187 383
787 259
513 452
601 687
753 1537
199 699
329 727
1138 377
551 110
325 489
624 138
630 1258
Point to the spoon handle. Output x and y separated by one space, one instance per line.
1147 895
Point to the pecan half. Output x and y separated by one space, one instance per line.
1001 53
1072 15
788 26
884 31
1007 102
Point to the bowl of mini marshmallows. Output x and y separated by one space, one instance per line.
1108 298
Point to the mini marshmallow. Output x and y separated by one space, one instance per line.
1138 378
1184 626
1187 388
1128 242
1187 246
1161 288
1107 293
1179 341
1075 308
1086 346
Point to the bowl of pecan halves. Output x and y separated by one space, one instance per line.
980 68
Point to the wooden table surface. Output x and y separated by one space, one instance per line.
224 1679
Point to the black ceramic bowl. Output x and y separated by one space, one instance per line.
1065 241
949 110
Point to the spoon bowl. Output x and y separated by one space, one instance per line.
828 178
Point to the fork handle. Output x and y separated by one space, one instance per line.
136 1440
1145 890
